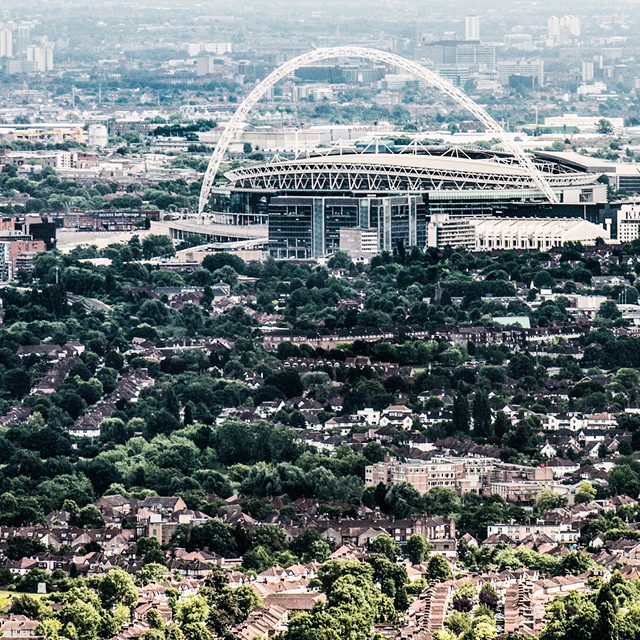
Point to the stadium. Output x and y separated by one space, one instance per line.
396 192
384 195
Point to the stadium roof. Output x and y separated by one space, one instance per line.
435 169
579 162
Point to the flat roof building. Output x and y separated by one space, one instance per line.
359 241
446 231
539 234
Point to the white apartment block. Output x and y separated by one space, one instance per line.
41 55
560 533
472 28
629 222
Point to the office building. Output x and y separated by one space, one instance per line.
491 233
563 29
422 476
485 476
460 54
310 227
208 64
626 178
22 37
526 67
444 230
18 248
571 25
587 70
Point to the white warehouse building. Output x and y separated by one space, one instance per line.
534 233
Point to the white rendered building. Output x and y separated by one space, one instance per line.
534 233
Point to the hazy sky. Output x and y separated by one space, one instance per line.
96 26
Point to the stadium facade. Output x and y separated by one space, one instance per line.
398 192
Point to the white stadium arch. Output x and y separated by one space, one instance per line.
417 70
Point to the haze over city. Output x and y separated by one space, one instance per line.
319 321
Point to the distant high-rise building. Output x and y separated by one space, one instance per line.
587 70
216 48
462 54
207 64
42 56
553 28
98 136
6 42
458 60
22 37
571 25
528 67
472 28
563 29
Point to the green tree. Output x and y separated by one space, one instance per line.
438 569
461 415
150 550
543 280
575 563
442 501
157 246
150 573
417 548
488 596
258 558
501 424
482 424
49 629
608 311
548 499
385 546
117 587
586 492
402 500
605 127
80 619
571 616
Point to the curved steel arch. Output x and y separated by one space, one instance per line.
417 70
